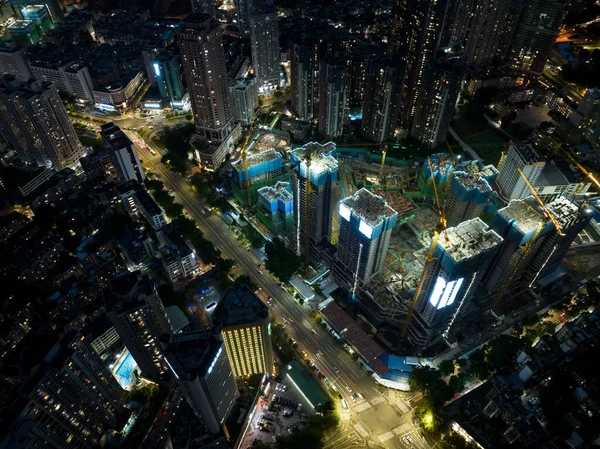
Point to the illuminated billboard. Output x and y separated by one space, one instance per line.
444 293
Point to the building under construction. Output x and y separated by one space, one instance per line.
442 166
263 169
313 206
276 207
470 191
450 278
366 223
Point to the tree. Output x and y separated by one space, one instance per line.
246 280
225 265
457 383
281 262
456 441
447 367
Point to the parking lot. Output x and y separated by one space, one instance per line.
277 414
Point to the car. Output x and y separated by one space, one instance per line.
360 395
314 332
349 389
344 404
353 398
336 369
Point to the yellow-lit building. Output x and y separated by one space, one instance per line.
244 322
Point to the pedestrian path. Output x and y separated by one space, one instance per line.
362 407
361 430
386 436
377 400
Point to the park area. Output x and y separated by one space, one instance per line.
487 142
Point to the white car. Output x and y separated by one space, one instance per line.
349 389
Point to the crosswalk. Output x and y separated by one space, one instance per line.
404 428
386 436
402 406
362 407
361 430
377 400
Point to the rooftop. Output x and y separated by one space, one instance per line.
277 192
113 136
258 158
148 202
469 238
371 208
555 173
565 211
239 305
527 214
193 351
126 290
321 156
441 162
473 174
527 153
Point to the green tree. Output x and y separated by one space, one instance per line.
280 261
447 367
246 280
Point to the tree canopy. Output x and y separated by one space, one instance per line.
280 261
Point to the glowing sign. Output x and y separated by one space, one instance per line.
156 69
365 229
444 293
212 365
344 212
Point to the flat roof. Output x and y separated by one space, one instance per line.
473 173
127 290
468 239
321 158
565 210
527 213
527 152
193 351
306 384
148 202
277 192
372 208
239 305
263 156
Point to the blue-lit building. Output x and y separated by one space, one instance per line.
169 82
323 173
470 191
261 166
53 7
366 223
442 165
460 260
276 206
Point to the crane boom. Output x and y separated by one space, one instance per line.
547 213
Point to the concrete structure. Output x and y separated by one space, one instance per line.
245 98
34 123
538 27
381 105
212 153
436 103
470 191
137 313
167 74
261 167
509 181
203 58
204 7
366 224
179 260
149 209
102 334
485 32
589 108
264 40
243 9
314 228
305 77
334 96
114 96
461 258
244 322
123 153
276 207
71 401
200 364
13 62
70 78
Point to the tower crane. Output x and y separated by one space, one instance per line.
583 170
441 227
247 183
547 213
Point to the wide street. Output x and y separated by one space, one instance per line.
384 416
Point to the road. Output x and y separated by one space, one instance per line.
383 417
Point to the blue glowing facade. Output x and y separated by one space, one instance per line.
168 78
267 164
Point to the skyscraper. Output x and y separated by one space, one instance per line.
203 58
470 191
124 154
204 7
460 260
436 103
539 25
312 198
34 123
245 98
264 39
72 400
244 322
167 74
137 313
589 108
243 10
202 369
486 31
305 77
523 157
13 62
381 106
366 223
334 96
457 21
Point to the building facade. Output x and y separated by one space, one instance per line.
124 153
264 40
167 74
486 31
245 98
305 77
509 180
334 96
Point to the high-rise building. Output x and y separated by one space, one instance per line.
460 259
532 246
276 207
589 108
203 371
486 31
264 40
204 7
243 10
539 25
381 101
167 74
245 98
313 208
136 311
203 58
470 191
458 18
436 103
416 37
34 123
366 224
511 183
244 322
305 77
72 400
13 62
123 152
334 96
